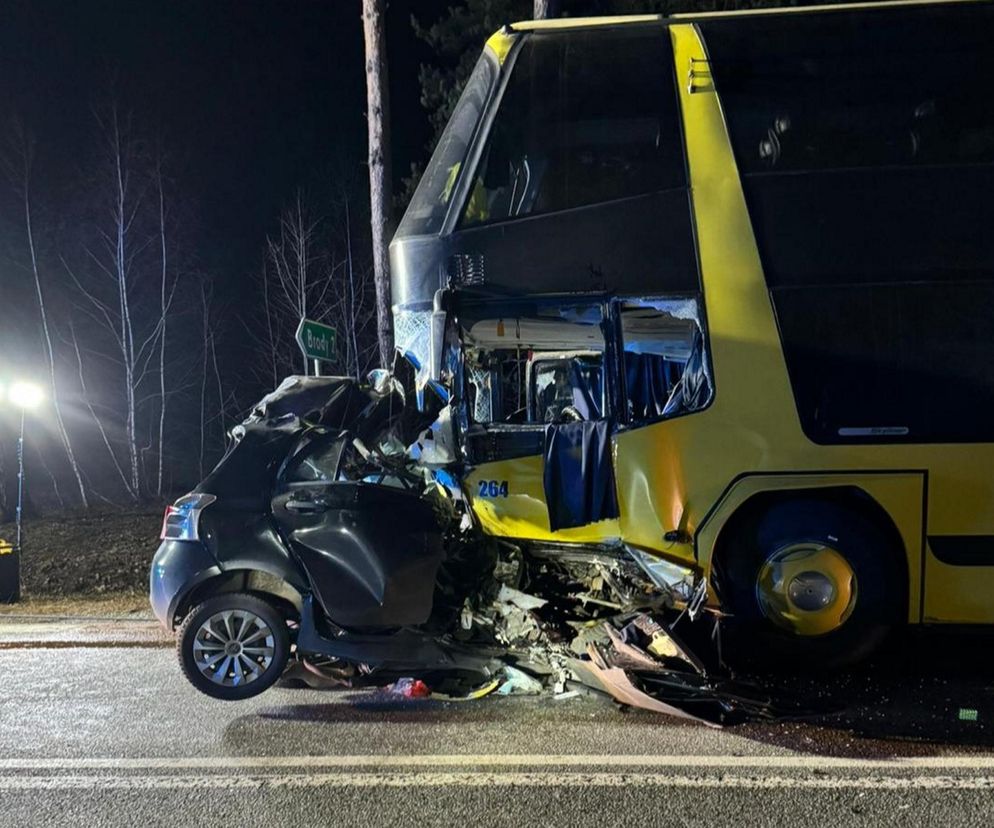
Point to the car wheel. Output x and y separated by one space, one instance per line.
233 646
809 584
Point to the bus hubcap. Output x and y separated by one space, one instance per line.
806 589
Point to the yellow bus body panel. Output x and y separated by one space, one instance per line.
688 474
671 474
524 513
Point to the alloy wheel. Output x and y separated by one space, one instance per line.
234 647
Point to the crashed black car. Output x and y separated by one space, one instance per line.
321 540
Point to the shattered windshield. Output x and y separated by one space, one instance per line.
427 209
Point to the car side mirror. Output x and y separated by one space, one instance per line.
378 378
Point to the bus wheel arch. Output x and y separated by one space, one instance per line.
815 577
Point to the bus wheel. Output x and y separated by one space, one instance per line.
808 583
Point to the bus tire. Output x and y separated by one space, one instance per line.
808 584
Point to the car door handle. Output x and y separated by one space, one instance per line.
306 507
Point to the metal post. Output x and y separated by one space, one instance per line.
10 556
317 368
20 486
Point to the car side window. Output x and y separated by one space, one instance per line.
317 462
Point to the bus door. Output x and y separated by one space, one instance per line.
537 429
665 367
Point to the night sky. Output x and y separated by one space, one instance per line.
251 98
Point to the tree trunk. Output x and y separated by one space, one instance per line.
353 303
163 312
545 9
205 331
380 183
47 335
122 224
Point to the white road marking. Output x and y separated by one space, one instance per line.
438 779
561 761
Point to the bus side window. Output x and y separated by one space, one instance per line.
665 358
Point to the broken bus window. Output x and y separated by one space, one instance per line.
665 358
534 365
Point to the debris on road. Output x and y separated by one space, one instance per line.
517 683
410 688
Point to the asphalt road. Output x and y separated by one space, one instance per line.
114 736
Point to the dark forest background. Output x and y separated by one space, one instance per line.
179 183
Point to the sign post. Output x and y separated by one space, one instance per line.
317 342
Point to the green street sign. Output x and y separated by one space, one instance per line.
316 341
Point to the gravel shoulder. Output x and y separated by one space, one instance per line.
125 604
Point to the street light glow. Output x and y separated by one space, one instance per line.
25 395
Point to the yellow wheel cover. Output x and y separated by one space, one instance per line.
806 588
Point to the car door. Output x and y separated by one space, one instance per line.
371 550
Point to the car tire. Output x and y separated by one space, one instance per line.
233 646
782 578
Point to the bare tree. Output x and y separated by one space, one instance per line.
123 215
380 181
22 179
545 9
354 311
317 266
114 280
84 394
296 286
205 309
166 292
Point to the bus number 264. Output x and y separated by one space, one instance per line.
493 488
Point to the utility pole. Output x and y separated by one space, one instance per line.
380 181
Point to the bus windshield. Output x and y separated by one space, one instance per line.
428 206
586 117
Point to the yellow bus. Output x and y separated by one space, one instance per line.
720 289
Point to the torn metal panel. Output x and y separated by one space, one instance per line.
630 657
668 683
676 579
615 682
